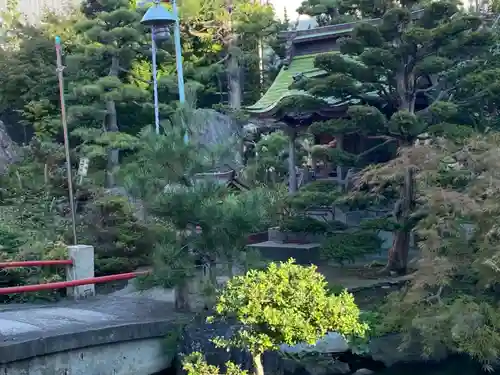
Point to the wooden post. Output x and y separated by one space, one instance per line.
292 178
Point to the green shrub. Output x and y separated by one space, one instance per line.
320 187
349 246
307 224
122 242
310 199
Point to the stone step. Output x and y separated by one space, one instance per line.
280 252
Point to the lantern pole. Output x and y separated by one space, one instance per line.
178 54
59 70
158 18
155 81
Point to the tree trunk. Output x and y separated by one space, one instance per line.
340 141
233 70
405 84
292 175
257 364
397 260
112 126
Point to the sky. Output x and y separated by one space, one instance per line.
37 6
290 5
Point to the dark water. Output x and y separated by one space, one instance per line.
455 365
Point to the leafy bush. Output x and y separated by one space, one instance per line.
333 155
309 199
320 187
307 224
122 242
284 304
195 364
349 246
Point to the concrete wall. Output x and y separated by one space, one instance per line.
137 357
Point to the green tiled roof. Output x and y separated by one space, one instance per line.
279 89
327 33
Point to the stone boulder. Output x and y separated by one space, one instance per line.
221 132
8 149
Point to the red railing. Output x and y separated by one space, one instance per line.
254 238
58 284
36 263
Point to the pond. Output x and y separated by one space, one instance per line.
452 366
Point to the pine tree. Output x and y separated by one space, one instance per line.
393 67
326 12
451 300
163 175
113 37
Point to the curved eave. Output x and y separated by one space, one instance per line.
274 107
280 87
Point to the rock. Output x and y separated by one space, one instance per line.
315 365
331 343
8 149
363 371
387 349
218 130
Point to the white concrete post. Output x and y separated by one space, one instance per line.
82 268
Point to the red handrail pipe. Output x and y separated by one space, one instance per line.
36 263
69 284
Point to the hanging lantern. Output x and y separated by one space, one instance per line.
158 16
161 33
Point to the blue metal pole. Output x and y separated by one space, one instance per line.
178 54
155 81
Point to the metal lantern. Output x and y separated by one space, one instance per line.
158 16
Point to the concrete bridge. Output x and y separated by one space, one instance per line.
119 335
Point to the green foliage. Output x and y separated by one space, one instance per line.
269 160
124 243
348 246
30 250
319 186
451 299
333 155
304 200
421 43
330 127
326 12
307 224
285 303
195 364
384 223
313 195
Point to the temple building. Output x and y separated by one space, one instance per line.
278 103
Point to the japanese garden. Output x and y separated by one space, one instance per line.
320 200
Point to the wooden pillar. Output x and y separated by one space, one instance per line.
292 178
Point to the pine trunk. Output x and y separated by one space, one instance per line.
233 70
398 254
112 126
292 175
